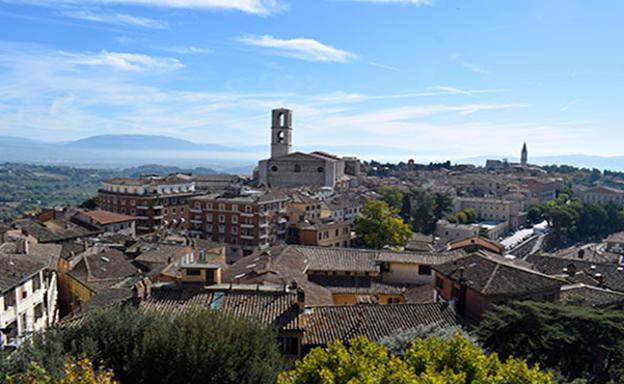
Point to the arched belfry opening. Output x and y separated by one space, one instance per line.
281 132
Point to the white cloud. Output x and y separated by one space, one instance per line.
134 62
260 7
115 18
190 50
304 49
53 95
384 66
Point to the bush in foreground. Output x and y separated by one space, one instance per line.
430 361
204 346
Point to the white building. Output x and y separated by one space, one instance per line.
28 284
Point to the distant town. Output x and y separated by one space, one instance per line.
320 247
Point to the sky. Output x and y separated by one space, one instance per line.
440 78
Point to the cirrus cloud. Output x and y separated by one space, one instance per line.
299 48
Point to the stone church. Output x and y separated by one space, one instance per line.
286 169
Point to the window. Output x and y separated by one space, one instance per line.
234 219
440 282
234 230
24 293
424 270
209 217
289 345
221 228
36 283
9 299
197 205
193 272
221 219
38 311
221 207
297 168
248 208
274 168
208 227
320 169
394 300
234 208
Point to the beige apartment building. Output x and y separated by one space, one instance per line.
491 209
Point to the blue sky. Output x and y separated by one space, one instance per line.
443 78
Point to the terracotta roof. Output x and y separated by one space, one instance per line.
55 230
339 259
613 274
490 275
362 285
104 217
16 269
277 308
375 321
594 296
102 270
48 254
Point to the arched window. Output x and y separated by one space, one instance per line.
282 120
281 136
297 168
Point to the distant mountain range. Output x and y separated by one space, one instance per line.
109 151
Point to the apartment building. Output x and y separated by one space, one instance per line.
28 290
247 221
324 233
602 195
156 202
491 209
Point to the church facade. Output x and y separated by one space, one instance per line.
287 169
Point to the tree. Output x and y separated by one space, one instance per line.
443 205
392 196
380 226
535 215
580 342
76 371
402 340
202 346
422 213
431 360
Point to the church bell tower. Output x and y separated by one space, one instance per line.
281 132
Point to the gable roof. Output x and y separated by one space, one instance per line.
105 217
587 294
15 269
613 274
325 324
279 308
491 275
477 241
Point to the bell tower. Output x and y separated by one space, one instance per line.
281 132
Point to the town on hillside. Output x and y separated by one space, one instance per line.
321 247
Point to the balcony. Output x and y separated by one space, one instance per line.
245 225
159 206
247 237
194 210
195 221
247 214
143 207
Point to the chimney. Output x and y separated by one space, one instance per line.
300 300
570 269
600 279
21 246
